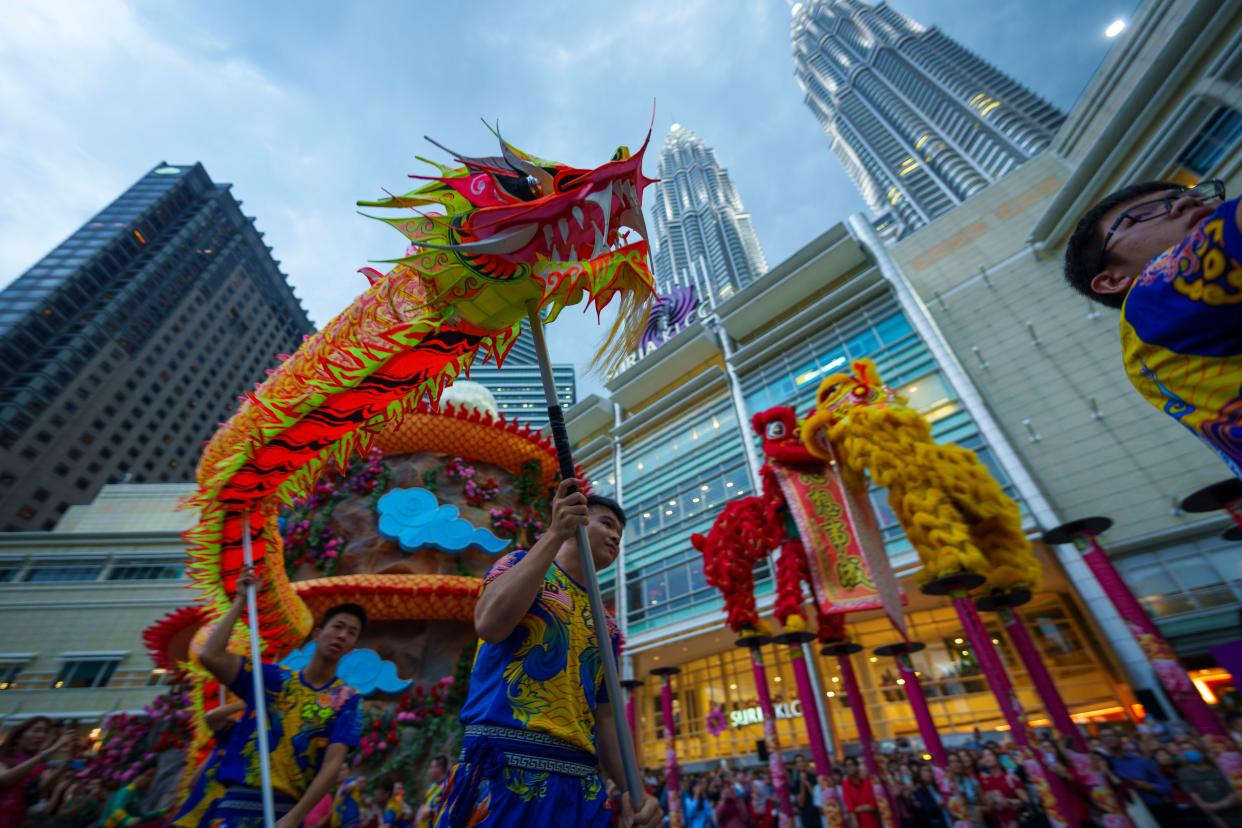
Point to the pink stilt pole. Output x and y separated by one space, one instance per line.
672 777
858 709
806 693
954 802
1051 793
1169 671
631 687
776 761
853 695
1020 637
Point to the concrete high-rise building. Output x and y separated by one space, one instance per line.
919 122
517 386
123 348
703 236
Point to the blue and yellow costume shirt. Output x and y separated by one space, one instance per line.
302 722
1181 333
547 675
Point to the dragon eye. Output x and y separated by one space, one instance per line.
775 431
524 187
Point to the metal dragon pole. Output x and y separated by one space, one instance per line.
256 674
556 422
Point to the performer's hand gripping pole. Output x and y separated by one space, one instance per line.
556 422
256 673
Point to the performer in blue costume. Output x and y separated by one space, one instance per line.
1170 258
313 720
537 721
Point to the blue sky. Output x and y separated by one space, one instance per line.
306 107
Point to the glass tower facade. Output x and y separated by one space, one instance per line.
517 387
703 235
123 348
919 122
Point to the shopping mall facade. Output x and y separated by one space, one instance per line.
970 320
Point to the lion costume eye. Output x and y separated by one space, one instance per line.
828 393
775 431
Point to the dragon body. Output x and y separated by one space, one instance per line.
511 233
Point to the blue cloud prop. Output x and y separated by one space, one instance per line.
361 669
415 519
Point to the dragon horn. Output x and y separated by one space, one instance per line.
521 165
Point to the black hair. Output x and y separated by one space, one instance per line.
1082 254
441 760
609 504
345 609
387 785
14 740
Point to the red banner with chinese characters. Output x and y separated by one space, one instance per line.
849 565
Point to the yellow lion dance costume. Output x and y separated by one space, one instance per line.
953 511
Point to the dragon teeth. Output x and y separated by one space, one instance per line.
579 216
563 226
547 235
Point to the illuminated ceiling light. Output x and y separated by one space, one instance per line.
926 757
732 686
1115 28
668 511
672 503
957 641
702 488
729 485
694 500
988 109
831 694
646 514
715 423
965 652
977 98
873 659
995 640
901 681
836 679
778 678
913 388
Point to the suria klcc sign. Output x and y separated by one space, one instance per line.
754 715
671 314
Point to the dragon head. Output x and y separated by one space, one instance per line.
517 228
782 442
838 395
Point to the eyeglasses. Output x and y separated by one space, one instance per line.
1204 192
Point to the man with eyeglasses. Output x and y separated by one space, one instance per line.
1170 259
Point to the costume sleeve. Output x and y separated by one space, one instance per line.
347 729
503 565
243 685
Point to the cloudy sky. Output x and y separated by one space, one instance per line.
306 107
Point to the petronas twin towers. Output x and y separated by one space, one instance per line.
919 122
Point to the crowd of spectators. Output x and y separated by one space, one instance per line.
1161 776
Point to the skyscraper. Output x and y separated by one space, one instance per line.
517 386
703 235
919 122
123 348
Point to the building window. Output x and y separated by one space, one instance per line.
11 667
86 671
138 569
1218 136
48 571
